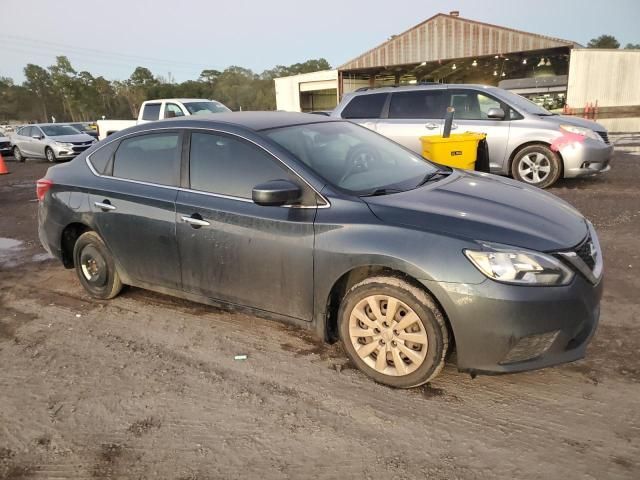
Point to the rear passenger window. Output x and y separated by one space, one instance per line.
151 111
153 158
229 166
101 158
365 106
417 104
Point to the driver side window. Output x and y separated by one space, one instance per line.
473 105
171 110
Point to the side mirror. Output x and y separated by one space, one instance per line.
496 114
36 137
275 193
169 114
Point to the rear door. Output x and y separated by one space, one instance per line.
365 109
24 140
471 107
413 114
134 205
237 251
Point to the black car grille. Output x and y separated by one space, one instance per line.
584 252
605 137
81 146
4 145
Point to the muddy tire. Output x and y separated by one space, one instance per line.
95 267
50 156
17 154
537 165
394 332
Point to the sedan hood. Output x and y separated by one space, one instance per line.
487 208
578 122
80 137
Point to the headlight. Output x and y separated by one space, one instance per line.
520 267
64 145
585 132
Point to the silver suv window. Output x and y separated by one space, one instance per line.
473 105
417 104
365 106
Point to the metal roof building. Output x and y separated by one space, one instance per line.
447 48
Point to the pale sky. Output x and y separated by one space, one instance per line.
112 37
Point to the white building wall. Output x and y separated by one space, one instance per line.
609 77
288 88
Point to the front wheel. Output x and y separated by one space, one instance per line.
536 165
17 154
394 332
95 267
51 157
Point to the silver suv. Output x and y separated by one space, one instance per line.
526 141
49 140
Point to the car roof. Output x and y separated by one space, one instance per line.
430 86
181 100
255 120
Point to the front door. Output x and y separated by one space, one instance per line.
134 207
471 107
414 114
234 250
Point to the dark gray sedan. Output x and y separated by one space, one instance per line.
324 224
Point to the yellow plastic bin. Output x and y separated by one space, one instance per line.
459 150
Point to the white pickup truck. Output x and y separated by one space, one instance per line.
153 110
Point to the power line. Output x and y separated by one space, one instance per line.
47 44
87 59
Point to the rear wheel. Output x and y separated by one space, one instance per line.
95 267
17 154
51 157
393 331
536 165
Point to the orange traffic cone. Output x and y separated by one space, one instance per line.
3 168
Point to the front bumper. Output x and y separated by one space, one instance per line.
501 328
68 152
586 158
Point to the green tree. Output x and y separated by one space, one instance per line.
632 46
38 81
63 78
604 41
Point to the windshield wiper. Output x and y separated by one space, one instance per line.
433 176
382 191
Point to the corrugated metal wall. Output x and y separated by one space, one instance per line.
445 37
609 77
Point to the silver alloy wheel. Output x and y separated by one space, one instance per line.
388 335
17 154
534 167
50 156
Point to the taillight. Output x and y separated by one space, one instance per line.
42 187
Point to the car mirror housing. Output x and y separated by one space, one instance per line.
275 193
496 114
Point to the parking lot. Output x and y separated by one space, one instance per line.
146 386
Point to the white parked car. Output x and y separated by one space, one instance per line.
153 110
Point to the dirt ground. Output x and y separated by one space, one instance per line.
146 386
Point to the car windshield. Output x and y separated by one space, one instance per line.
354 158
58 130
200 108
78 126
522 103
